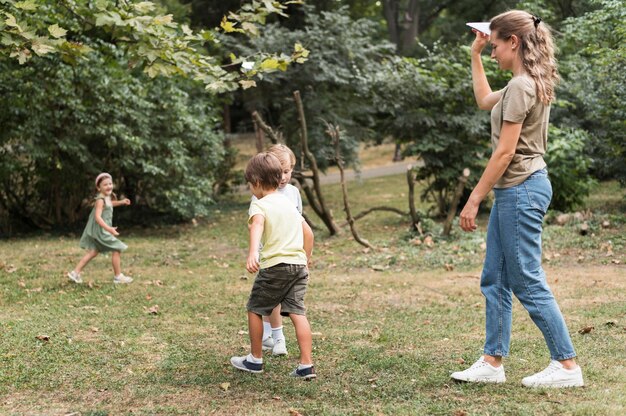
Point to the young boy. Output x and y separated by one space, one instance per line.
282 277
273 336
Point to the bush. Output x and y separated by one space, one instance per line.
568 166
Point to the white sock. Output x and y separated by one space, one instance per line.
277 333
251 358
267 330
303 366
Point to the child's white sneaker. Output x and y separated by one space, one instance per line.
122 278
555 375
280 347
75 277
481 372
268 344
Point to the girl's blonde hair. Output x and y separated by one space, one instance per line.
283 152
99 179
536 48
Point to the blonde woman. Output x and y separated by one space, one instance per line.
521 43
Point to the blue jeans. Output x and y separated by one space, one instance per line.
513 266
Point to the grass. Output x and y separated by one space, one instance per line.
389 325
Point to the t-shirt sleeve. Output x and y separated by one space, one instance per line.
519 99
255 209
299 198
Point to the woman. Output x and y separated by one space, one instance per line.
521 43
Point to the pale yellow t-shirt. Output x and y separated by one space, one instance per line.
519 104
282 238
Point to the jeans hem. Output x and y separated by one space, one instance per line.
497 354
564 357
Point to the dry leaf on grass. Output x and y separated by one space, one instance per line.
153 310
45 338
225 386
294 412
585 330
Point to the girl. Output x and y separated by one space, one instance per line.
522 44
99 234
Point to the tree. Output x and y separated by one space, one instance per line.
593 60
152 41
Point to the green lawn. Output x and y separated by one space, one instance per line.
389 325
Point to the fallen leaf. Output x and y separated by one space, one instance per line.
242 332
460 361
449 267
378 268
45 338
428 240
94 329
277 398
21 284
610 323
243 277
294 412
585 330
153 310
371 380
148 297
10 268
225 386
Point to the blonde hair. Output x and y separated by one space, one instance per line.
536 48
264 170
282 152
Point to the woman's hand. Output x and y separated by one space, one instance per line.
480 41
467 219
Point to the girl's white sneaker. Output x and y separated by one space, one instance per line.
75 277
555 375
122 278
481 372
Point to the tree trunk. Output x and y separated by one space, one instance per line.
447 227
325 214
333 132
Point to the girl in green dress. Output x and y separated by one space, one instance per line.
99 235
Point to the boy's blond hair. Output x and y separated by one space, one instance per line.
264 170
282 152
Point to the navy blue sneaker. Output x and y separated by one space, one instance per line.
305 374
242 363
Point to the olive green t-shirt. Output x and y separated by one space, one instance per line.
519 104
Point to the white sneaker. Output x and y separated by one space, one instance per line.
280 347
555 375
268 344
481 372
122 278
75 277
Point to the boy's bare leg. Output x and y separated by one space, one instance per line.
255 327
276 320
86 259
305 339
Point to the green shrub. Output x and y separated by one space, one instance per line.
568 166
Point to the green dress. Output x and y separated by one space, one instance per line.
95 237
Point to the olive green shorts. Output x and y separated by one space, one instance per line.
283 284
